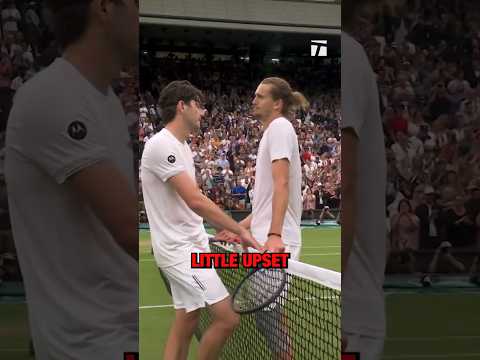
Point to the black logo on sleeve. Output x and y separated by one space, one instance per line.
77 130
171 159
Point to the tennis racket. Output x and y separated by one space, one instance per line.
258 290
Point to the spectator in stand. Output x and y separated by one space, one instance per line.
428 214
473 204
223 162
228 176
405 227
443 259
459 226
325 213
239 191
33 30
308 202
11 18
229 128
430 93
218 178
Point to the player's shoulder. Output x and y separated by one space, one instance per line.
350 44
50 79
282 125
163 137
47 93
353 53
161 142
282 122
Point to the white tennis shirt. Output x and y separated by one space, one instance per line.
81 287
279 141
363 309
175 229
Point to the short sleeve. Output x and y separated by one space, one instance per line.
354 87
162 158
60 139
281 140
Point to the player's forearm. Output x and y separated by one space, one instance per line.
115 208
247 222
129 243
349 193
207 209
348 223
279 206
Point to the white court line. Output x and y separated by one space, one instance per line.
155 306
321 247
436 338
325 254
308 298
437 356
14 350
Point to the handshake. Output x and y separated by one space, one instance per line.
245 238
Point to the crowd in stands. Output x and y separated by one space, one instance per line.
225 148
426 55
25 37
27 45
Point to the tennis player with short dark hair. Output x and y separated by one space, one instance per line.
176 208
71 188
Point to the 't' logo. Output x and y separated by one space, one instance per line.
318 48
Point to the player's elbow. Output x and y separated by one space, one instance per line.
125 234
196 203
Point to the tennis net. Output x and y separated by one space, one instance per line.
303 322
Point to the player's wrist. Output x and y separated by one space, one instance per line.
244 225
274 233
242 232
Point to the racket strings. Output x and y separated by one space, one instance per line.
259 289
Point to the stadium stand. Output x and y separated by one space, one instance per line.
225 149
427 58
27 45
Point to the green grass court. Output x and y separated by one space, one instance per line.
14 332
320 248
422 325
433 325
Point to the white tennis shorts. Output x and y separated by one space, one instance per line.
294 252
193 288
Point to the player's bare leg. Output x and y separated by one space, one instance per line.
180 335
287 354
224 322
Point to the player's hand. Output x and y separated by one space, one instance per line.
248 240
227 236
275 244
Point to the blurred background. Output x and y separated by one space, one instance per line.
426 57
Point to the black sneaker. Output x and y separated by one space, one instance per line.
426 281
